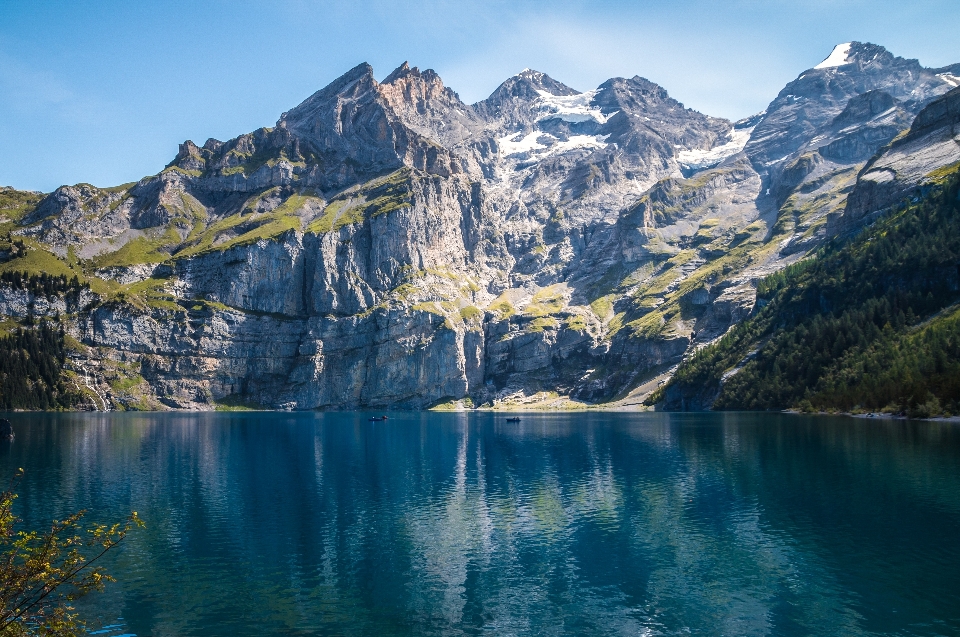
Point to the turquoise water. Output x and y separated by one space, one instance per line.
447 524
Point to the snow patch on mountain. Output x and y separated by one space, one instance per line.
950 79
542 144
571 108
579 141
700 159
510 145
838 57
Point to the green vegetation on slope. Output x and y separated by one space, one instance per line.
16 204
843 330
375 198
247 226
140 250
30 257
917 372
31 364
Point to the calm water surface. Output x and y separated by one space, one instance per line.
446 524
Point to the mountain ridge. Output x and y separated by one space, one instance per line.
386 244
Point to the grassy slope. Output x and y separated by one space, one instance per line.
15 204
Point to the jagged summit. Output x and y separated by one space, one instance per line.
541 81
354 81
641 91
362 71
406 71
510 104
526 86
409 84
397 73
862 55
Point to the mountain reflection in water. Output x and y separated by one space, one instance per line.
445 524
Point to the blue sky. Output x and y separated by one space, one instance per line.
103 91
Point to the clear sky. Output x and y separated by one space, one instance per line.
103 91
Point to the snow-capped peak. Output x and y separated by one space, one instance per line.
838 57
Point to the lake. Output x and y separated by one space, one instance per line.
456 523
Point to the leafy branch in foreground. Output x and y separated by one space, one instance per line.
41 573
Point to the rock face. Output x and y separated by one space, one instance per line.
386 244
909 164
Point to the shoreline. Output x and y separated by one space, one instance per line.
494 410
873 415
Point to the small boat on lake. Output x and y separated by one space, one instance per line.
378 419
515 419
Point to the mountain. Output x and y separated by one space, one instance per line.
872 324
387 245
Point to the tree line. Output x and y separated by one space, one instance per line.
44 284
31 369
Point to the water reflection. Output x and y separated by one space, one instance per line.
284 524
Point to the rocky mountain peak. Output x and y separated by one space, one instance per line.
853 68
529 78
527 85
350 129
858 67
401 71
351 84
838 57
637 84
407 85
633 95
517 93
188 157
820 94
405 74
212 144
422 103
860 54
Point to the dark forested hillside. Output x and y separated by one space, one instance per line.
31 364
865 325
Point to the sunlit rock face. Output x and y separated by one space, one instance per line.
910 163
386 244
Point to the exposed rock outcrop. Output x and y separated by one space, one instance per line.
909 164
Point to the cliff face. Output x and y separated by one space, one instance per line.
910 163
386 244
